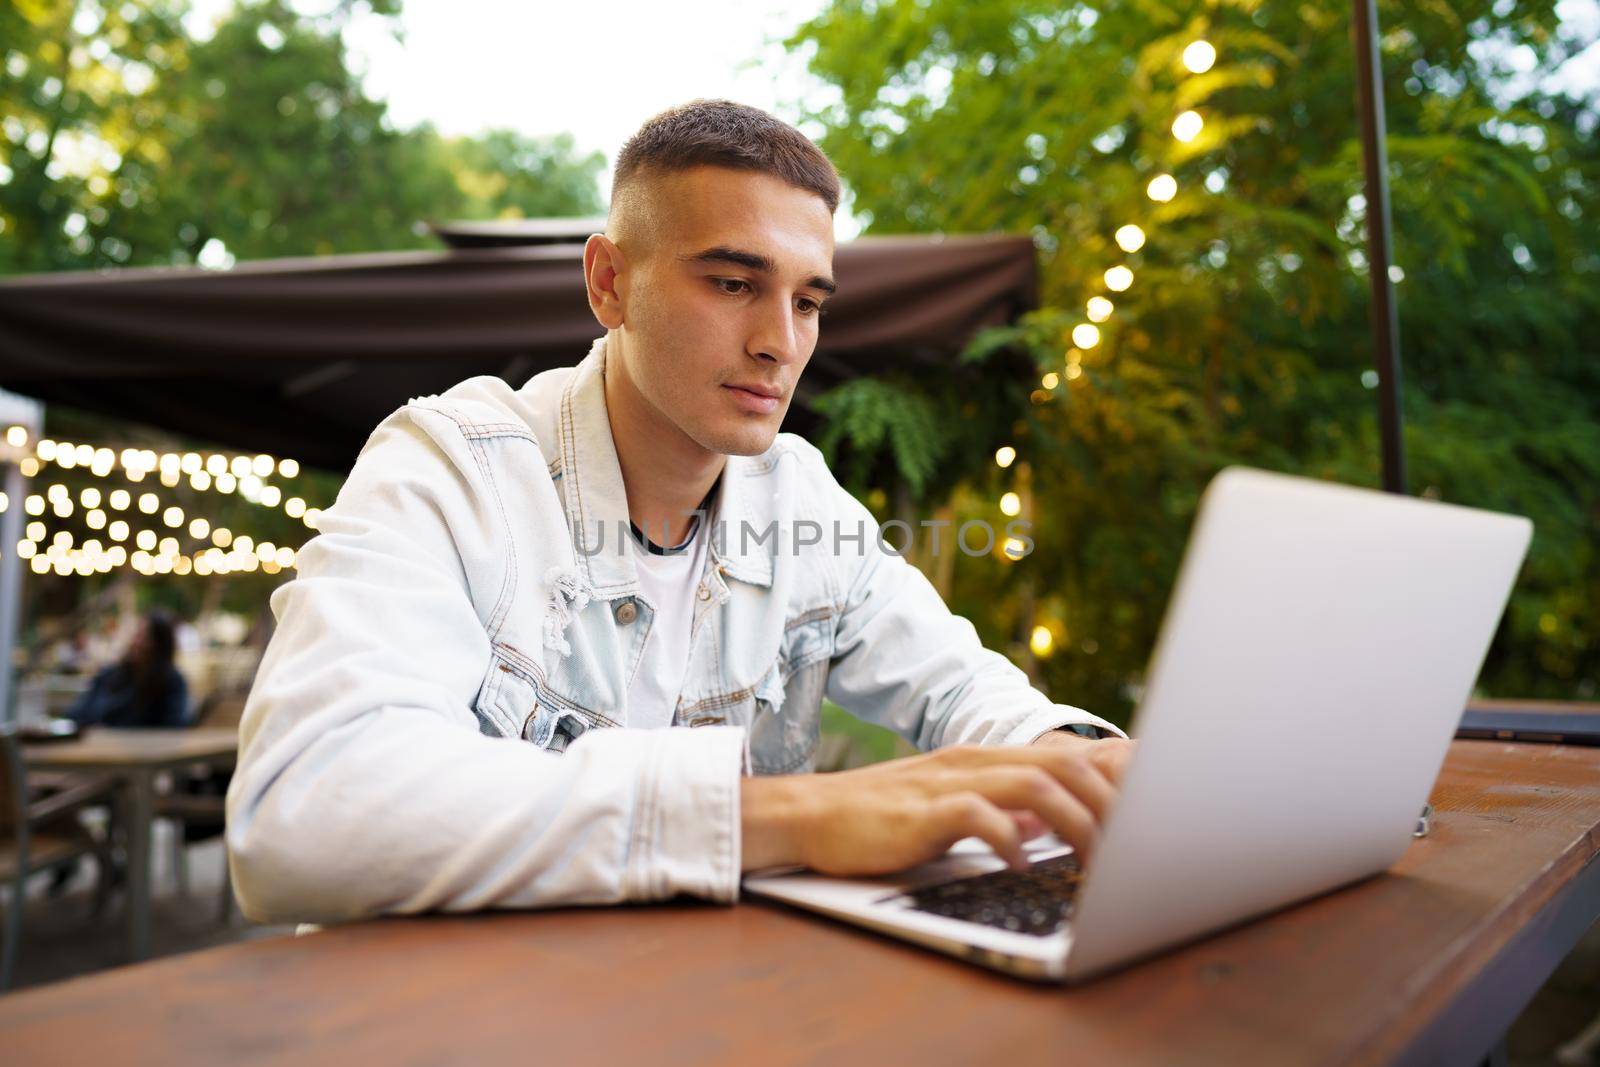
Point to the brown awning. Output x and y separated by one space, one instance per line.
304 357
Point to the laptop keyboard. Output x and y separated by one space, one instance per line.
1035 901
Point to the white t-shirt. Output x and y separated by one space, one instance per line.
669 581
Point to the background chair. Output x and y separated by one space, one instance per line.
196 802
39 835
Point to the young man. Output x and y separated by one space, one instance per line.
514 670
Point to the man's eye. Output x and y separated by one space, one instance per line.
731 286
810 307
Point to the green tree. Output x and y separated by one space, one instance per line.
1242 337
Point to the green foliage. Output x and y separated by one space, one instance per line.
1244 338
873 413
131 143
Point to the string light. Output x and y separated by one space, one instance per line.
1010 504
1005 455
1162 188
1119 279
1199 57
1130 238
1042 643
1099 309
1187 126
1085 335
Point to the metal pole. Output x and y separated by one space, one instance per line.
1385 317
16 488
29 414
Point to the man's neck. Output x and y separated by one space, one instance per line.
665 473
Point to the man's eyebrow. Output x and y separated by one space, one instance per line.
753 261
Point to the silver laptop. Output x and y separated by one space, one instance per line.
1318 650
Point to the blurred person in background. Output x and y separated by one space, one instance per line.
143 688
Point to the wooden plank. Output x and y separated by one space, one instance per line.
1357 976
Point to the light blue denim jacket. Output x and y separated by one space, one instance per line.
439 721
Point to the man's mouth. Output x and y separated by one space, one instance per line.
757 398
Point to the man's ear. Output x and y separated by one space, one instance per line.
604 272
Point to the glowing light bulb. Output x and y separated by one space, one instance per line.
1199 57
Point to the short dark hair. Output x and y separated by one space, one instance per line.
721 133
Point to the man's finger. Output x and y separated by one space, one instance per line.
1113 758
970 815
1035 789
1029 825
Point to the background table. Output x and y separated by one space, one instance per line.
1426 964
135 757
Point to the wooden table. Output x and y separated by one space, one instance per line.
1426 964
135 757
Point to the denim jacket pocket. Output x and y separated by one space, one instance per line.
515 701
507 696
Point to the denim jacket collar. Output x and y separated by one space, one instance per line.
597 501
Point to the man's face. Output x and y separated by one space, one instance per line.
727 273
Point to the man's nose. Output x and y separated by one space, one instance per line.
774 338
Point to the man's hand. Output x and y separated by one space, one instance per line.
893 815
1111 754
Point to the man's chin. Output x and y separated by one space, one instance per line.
744 440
